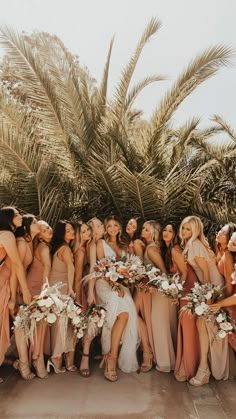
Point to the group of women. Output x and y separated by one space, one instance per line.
32 255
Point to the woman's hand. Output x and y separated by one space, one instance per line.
71 293
27 297
91 298
215 307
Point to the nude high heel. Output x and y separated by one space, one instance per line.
204 378
24 369
147 366
41 372
56 370
109 375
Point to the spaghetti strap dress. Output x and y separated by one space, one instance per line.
5 273
164 329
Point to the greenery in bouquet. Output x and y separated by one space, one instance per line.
200 298
168 285
225 323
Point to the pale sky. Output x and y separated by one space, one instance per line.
189 26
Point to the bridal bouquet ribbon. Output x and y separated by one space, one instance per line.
169 286
51 305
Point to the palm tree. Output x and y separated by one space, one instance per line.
69 150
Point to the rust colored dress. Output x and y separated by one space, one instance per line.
164 330
188 350
62 336
5 273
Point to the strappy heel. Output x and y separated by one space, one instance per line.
109 375
71 368
85 372
41 373
56 370
24 370
145 367
197 382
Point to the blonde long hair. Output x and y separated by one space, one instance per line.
120 237
155 231
197 233
77 240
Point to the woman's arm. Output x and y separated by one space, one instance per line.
12 252
227 302
178 258
67 257
45 258
79 266
228 270
139 248
155 257
100 250
203 265
92 249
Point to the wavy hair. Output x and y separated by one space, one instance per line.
24 229
7 215
121 241
77 241
58 238
155 231
166 251
197 233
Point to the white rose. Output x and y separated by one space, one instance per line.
165 285
180 287
76 320
199 310
222 334
114 276
209 295
49 302
51 318
41 303
226 326
219 318
80 334
100 323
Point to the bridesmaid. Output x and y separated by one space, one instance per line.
85 258
225 258
164 311
201 258
37 278
132 233
10 220
121 317
24 239
97 229
62 271
187 356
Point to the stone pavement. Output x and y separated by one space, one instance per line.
152 395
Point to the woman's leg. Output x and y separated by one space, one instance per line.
23 351
203 373
116 335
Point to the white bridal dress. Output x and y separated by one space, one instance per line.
114 305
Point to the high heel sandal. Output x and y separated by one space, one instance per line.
71 368
109 375
40 373
24 369
85 372
145 367
197 382
56 370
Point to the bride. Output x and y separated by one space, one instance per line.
121 325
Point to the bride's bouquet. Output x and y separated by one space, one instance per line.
127 272
225 323
169 286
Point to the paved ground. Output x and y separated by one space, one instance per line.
148 396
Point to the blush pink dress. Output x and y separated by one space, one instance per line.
5 273
62 336
35 283
164 330
28 257
218 348
188 350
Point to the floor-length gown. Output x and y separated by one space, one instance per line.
188 350
218 347
5 273
164 328
115 305
62 336
28 257
35 283
144 301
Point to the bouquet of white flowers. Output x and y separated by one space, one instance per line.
169 286
200 298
